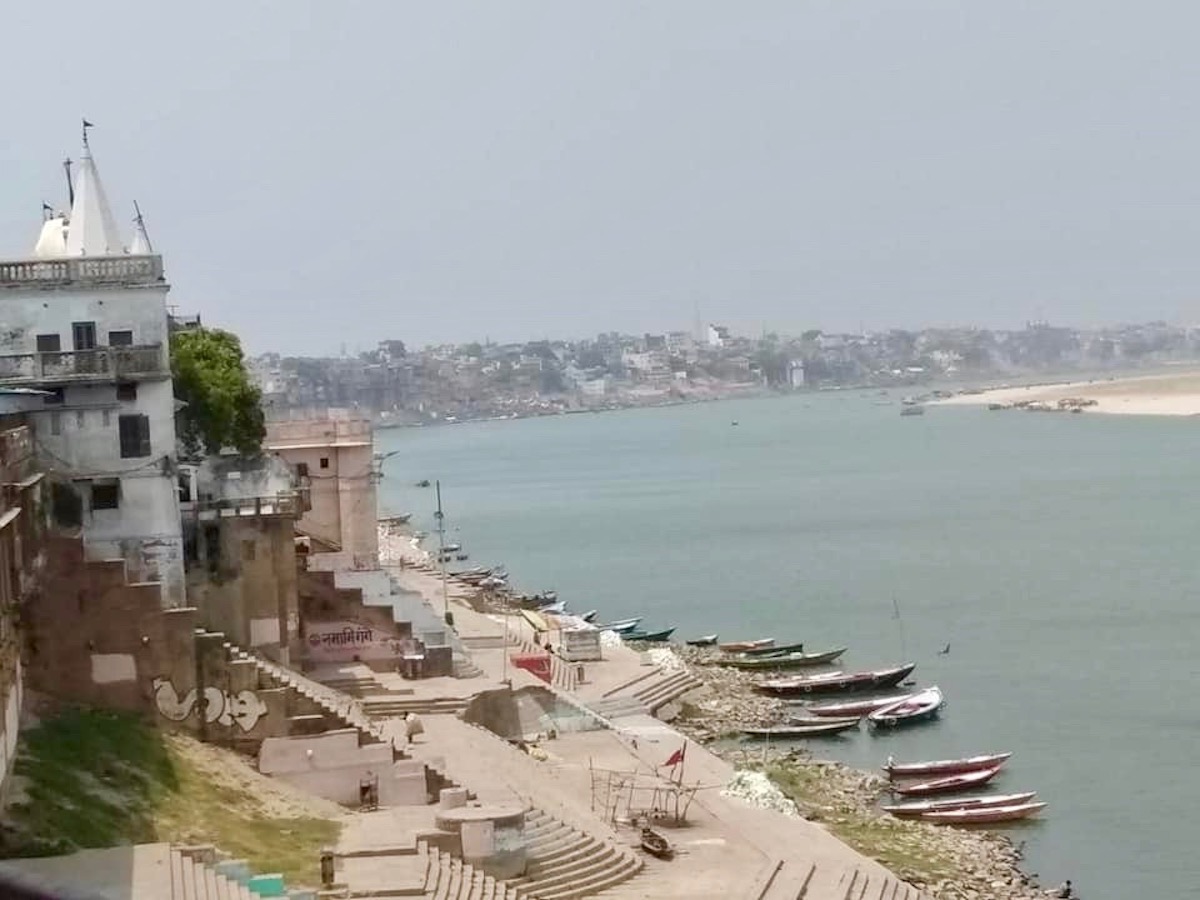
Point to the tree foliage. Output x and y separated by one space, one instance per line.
224 407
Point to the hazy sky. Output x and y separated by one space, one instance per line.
328 174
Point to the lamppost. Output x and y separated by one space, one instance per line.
441 528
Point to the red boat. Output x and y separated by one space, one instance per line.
949 783
834 682
855 707
925 806
744 646
945 766
987 816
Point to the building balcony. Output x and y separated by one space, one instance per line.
136 363
289 504
114 271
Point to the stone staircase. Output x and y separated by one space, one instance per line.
388 707
449 878
355 685
570 853
464 667
673 686
564 862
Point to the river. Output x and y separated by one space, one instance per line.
1055 554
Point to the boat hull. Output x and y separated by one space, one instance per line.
791 732
743 646
707 641
923 706
772 648
926 806
794 660
990 816
855 707
938 767
838 682
949 783
649 636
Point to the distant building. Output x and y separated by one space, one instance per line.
796 374
717 335
85 320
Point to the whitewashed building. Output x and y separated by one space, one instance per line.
84 318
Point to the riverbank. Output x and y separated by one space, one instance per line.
1162 394
949 864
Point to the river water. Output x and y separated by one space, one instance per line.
1056 555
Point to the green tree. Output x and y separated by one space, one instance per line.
223 407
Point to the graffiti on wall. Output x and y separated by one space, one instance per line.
243 709
347 641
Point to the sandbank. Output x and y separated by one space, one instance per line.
1162 394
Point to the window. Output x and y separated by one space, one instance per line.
302 470
49 343
83 334
106 494
54 397
135 436
324 462
126 391
55 423
120 339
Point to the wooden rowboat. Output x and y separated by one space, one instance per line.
920 707
835 682
772 649
649 636
791 660
788 732
854 707
822 720
988 816
743 646
938 767
925 806
656 845
949 783
707 641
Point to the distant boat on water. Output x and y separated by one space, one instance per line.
912 410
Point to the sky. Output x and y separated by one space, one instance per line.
321 176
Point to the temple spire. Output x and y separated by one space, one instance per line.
141 245
92 230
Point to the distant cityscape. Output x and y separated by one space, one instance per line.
455 383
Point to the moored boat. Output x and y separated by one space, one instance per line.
656 844
854 707
836 682
783 661
707 640
621 625
821 720
920 707
772 648
787 732
987 816
925 806
937 767
949 783
590 615
743 646
649 636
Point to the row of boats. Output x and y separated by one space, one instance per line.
949 776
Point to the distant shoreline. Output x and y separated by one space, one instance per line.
1172 393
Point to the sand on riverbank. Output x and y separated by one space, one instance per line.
1163 394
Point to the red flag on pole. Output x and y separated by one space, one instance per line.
676 757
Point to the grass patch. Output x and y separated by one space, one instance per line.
100 779
895 844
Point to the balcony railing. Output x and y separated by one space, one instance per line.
112 270
69 366
290 504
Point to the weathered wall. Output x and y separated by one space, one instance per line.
337 626
338 453
242 577
334 765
